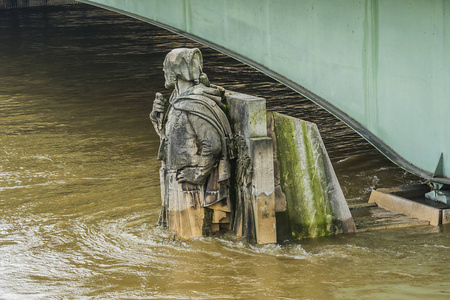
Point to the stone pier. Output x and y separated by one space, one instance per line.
285 185
255 189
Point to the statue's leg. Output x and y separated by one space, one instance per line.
192 211
185 214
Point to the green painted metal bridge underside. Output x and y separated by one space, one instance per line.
381 66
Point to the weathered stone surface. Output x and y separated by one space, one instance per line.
247 114
446 216
195 148
315 203
405 206
262 190
254 178
280 198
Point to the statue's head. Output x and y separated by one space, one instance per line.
182 63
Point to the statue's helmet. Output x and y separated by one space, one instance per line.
183 63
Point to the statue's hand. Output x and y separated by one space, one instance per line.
191 175
159 106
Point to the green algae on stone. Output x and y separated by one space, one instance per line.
308 181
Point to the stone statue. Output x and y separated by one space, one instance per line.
195 148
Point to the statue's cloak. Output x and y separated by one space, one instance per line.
205 107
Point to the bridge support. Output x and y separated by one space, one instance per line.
286 187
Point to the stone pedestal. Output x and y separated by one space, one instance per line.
254 184
285 185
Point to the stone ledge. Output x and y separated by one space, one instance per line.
395 226
394 199
374 218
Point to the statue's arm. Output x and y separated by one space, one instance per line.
209 148
156 125
157 114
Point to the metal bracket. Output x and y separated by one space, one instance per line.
439 192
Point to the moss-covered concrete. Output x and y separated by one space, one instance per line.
315 203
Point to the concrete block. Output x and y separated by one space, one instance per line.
407 207
247 114
315 203
255 203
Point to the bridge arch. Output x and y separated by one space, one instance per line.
380 66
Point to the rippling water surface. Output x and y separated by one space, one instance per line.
79 186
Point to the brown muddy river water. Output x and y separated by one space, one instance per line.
79 185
